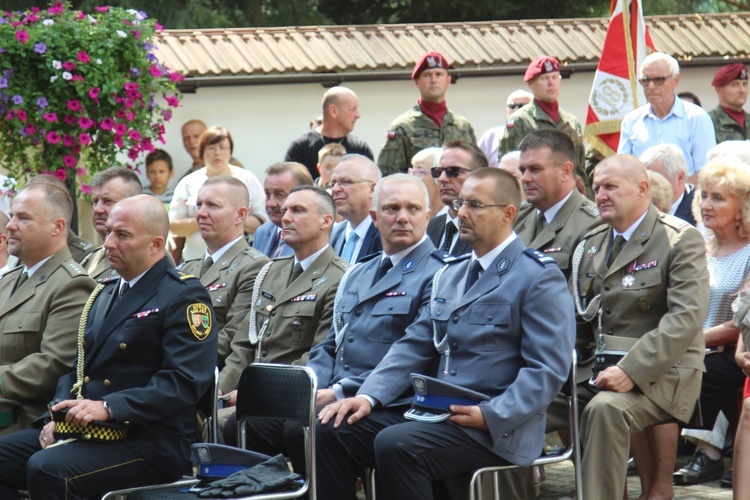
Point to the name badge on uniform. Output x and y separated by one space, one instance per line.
268 295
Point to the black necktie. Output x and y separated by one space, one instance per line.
295 272
614 250
21 280
383 268
450 230
473 276
124 288
207 263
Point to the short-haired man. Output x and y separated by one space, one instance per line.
107 188
666 118
379 299
191 133
340 113
643 284
229 267
147 357
280 179
352 185
557 215
79 248
459 159
293 296
7 261
544 112
428 124
731 121
40 303
490 140
668 160
494 313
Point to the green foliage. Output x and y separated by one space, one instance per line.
78 89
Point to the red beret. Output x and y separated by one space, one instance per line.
429 61
540 66
736 71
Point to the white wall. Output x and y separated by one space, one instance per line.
264 119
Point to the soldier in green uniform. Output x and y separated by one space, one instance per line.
544 112
229 266
429 123
731 122
292 301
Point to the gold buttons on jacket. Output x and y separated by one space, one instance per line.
86 380
123 346
107 383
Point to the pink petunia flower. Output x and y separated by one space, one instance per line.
129 86
85 123
53 137
134 135
21 115
94 93
130 116
57 8
173 101
69 161
118 141
120 128
74 105
78 78
22 36
70 119
50 117
68 141
84 139
107 124
69 66
155 71
83 56
61 174
30 129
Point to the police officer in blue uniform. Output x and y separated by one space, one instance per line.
488 326
375 302
147 357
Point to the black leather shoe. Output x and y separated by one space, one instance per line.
632 469
699 469
726 481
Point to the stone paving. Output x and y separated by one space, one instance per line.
560 481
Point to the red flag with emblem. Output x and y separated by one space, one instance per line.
616 90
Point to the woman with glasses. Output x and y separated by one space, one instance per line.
216 147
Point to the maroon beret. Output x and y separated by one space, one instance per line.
429 61
736 71
540 66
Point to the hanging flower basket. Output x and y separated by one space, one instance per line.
78 89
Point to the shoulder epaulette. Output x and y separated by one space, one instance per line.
253 253
674 222
82 244
283 257
441 255
12 271
74 268
590 209
452 259
369 257
540 257
340 263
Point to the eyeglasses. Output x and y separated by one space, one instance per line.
472 205
345 183
658 81
216 149
514 105
450 172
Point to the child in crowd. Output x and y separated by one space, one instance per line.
159 171
328 157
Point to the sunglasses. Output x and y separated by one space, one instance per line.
450 172
658 81
513 105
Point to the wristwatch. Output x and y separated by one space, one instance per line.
109 410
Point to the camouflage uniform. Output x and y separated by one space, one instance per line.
532 117
726 128
414 131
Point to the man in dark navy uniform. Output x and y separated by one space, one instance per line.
148 356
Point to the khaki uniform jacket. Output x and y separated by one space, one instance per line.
97 265
531 117
298 315
229 282
558 240
39 324
79 248
414 131
662 303
726 128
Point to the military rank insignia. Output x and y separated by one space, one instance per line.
199 319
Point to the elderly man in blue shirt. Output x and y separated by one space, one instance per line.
667 119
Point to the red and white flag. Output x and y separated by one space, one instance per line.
616 90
